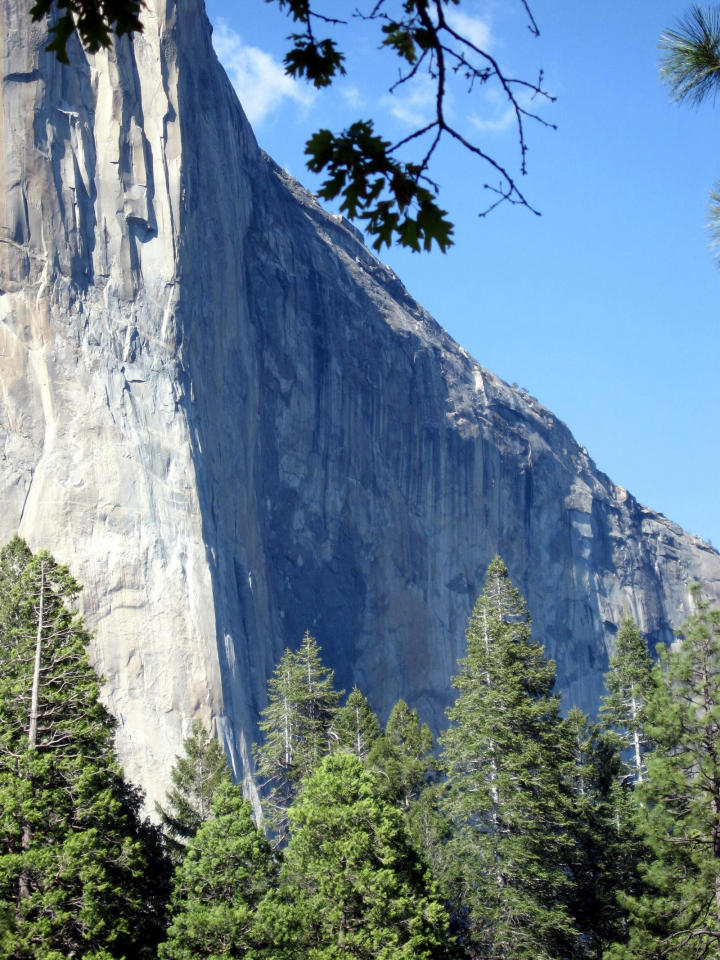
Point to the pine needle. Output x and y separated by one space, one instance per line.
713 222
690 63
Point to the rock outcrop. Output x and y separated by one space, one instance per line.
234 423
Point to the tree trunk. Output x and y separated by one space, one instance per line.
493 762
636 741
716 852
27 835
717 906
35 696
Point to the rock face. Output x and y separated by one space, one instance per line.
234 423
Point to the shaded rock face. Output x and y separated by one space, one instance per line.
234 423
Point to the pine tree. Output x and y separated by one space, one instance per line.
690 63
318 706
603 857
506 797
351 885
407 775
690 66
80 874
196 777
297 723
678 805
404 755
355 727
628 684
227 869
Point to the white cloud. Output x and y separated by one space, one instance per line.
497 125
352 96
500 114
260 82
413 103
475 29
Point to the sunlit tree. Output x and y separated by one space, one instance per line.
678 805
690 66
81 874
507 796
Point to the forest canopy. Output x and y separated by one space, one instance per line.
524 833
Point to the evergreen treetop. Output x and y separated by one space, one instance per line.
678 804
404 756
297 724
351 885
196 778
355 727
506 794
629 684
226 872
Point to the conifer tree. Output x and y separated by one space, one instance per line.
297 723
80 874
404 755
196 777
690 66
603 857
678 805
318 706
351 885
506 795
629 684
355 727
407 775
227 869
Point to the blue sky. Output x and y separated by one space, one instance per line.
604 307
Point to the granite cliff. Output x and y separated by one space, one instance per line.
234 423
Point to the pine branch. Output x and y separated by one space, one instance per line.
690 63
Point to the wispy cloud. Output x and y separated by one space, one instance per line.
499 114
260 82
352 95
475 29
412 104
495 125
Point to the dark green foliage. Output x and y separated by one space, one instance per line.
316 61
408 777
355 727
297 724
406 769
506 794
351 884
80 874
403 757
678 806
227 870
396 199
196 777
387 194
538 845
605 851
628 684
